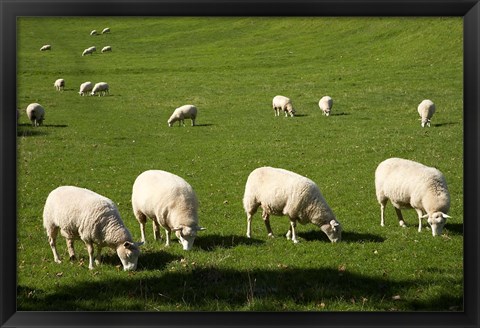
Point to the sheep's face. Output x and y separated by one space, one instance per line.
437 221
333 230
327 112
128 253
186 235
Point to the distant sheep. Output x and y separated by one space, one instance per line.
106 30
106 48
46 47
85 88
326 104
101 88
94 32
83 214
281 192
170 202
283 103
408 184
59 84
88 51
182 113
36 114
426 109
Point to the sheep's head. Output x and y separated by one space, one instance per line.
333 230
436 221
128 253
186 235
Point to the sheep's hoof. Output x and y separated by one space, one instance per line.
58 261
73 258
295 241
248 235
271 235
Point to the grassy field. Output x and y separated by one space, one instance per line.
377 70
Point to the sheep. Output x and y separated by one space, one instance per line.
59 84
88 51
36 114
85 88
281 192
409 184
106 30
326 104
102 88
170 202
46 47
94 32
83 214
283 103
426 109
106 48
181 113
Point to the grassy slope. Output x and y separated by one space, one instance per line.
376 70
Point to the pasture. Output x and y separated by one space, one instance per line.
377 70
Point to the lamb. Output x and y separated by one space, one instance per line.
426 109
85 88
106 48
94 32
46 47
106 30
181 113
283 103
409 184
83 214
101 88
36 114
59 84
281 192
170 202
326 104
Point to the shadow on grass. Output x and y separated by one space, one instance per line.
207 124
157 260
444 124
205 288
26 129
347 237
454 228
339 114
213 242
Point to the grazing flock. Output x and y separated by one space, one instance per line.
172 204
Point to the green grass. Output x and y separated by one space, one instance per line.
377 70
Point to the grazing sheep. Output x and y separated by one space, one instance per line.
46 47
426 109
94 32
83 214
106 48
408 184
281 192
36 114
101 88
283 103
326 104
88 51
106 30
59 84
170 202
85 88
181 113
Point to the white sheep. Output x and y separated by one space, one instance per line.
182 113
88 51
409 184
46 47
106 30
59 84
426 109
85 88
281 192
106 48
326 104
170 202
83 214
93 32
36 114
283 103
101 88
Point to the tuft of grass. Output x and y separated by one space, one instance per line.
377 70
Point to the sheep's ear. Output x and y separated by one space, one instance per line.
334 223
201 228
425 216
445 216
127 245
177 228
139 243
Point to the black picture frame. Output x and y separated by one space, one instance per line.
10 10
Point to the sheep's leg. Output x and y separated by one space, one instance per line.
266 220
142 219
90 254
98 259
289 233
420 214
249 225
400 218
293 225
193 122
156 230
71 250
52 237
383 203
167 233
